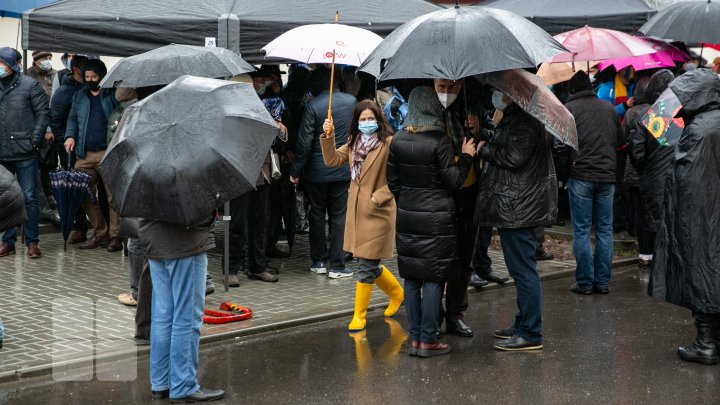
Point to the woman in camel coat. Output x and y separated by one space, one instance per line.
370 220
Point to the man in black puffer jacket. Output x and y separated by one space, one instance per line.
24 116
517 193
591 187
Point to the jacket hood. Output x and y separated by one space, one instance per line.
658 83
698 91
424 111
641 86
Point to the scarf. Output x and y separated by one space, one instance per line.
360 152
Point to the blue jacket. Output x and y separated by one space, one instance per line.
308 154
80 112
606 91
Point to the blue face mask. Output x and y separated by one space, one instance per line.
3 72
368 127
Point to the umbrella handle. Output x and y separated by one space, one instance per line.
69 160
332 78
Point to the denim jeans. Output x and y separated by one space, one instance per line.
26 173
178 301
590 203
518 247
422 312
331 199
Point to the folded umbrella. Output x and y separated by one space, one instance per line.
692 22
70 188
188 148
460 42
532 95
588 44
165 64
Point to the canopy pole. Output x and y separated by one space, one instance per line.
332 80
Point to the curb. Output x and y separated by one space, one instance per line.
46 369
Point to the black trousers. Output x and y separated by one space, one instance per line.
621 220
282 211
144 304
482 264
327 199
456 289
249 210
646 238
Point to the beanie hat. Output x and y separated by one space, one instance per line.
40 54
8 56
579 82
424 111
97 66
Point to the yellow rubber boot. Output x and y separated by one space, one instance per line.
362 300
390 286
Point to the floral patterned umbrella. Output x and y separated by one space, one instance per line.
660 119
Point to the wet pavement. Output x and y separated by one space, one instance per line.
617 348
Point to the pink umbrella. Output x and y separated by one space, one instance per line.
587 43
643 62
677 54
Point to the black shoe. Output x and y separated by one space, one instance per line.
200 395
495 277
160 394
704 349
477 282
516 344
645 264
506 333
277 253
544 256
209 287
601 290
458 328
579 290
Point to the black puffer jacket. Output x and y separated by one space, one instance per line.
687 253
599 133
12 201
422 175
651 159
61 105
24 116
518 186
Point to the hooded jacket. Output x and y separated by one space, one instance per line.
687 253
599 133
24 116
422 175
518 185
12 201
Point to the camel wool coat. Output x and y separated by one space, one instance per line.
371 209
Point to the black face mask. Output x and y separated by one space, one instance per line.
94 86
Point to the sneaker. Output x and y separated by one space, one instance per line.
340 273
127 299
623 236
318 268
233 280
209 286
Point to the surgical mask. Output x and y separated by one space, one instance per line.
67 63
368 127
46 65
93 85
446 99
260 91
3 72
497 101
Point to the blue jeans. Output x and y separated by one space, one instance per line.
518 247
26 173
178 301
422 313
590 203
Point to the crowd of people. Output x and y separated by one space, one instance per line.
431 176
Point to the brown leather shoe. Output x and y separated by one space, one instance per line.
33 251
264 276
94 242
115 245
433 349
6 249
77 236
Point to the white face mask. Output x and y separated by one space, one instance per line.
446 99
46 65
497 101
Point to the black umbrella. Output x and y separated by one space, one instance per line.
187 149
70 188
460 42
12 201
167 63
531 94
687 21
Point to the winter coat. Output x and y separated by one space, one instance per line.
166 241
61 105
422 175
630 126
12 201
686 271
599 133
651 159
308 155
518 186
24 117
80 112
371 209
